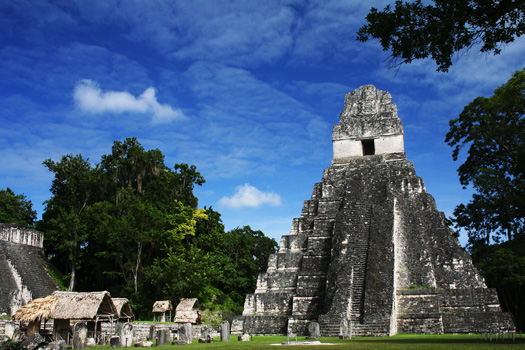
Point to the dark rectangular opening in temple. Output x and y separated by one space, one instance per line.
368 147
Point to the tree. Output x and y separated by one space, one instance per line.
248 252
16 209
493 129
130 165
503 267
131 225
74 188
414 31
188 177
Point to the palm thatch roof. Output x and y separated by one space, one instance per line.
162 306
73 305
123 308
187 304
188 311
36 310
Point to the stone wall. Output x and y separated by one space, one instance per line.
433 310
140 329
21 235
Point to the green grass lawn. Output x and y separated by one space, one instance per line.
402 341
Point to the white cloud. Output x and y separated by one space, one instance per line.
90 98
248 196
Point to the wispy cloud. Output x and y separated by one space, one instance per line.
248 196
90 98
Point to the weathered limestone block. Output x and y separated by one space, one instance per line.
265 324
307 286
244 337
315 263
328 208
310 207
186 333
206 335
143 344
163 337
314 332
152 330
33 342
238 324
323 227
293 242
55 345
271 302
9 329
114 342
305 307
225 331
80 331
126 335
318 245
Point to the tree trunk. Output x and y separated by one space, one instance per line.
72 280
137 266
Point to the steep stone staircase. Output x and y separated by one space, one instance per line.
30 265
359 235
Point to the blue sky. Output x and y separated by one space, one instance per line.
248 91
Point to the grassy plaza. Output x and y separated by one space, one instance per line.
401 341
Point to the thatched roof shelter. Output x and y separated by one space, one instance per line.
124 309
69 305
162 306
36 310
188 310
83 306
187 304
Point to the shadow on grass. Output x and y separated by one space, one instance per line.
411 339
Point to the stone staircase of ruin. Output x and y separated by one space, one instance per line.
29 263
360 246
329 329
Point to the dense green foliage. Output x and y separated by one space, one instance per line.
130 225
493 130
16 209
503 267
414 31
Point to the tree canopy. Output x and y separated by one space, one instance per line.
503 267
414 31
130 225
493 129
16 209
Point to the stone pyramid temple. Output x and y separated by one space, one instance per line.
370 253
23 267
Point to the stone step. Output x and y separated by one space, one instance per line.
358 329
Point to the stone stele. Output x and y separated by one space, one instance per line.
370 253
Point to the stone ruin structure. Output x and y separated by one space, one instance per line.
370 253
23 267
